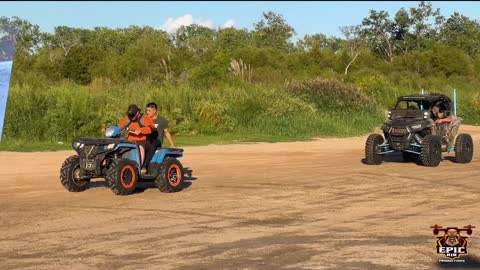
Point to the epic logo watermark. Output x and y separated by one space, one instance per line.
452 244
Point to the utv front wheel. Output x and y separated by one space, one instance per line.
122 176
371 149
70 175
431 153
170 177
463 148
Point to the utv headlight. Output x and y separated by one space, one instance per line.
416 126
425 115
389 115
77 145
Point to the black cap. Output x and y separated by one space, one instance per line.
132 110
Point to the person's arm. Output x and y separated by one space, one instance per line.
169 137
122 122
448 119
148 125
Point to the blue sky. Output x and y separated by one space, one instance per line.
305 17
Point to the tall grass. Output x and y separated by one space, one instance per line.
238 111
60 112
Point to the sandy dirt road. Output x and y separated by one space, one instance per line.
300 205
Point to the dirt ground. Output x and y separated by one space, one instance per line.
300 205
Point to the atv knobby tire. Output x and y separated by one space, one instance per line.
170 176
463 148
122 176
70 174
431 152
371 149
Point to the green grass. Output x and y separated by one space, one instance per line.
293 128
180 141
32 146
37 118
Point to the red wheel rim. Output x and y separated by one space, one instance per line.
174 175
127 176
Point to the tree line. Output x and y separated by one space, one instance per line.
418 41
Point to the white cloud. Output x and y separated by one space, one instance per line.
229 23
172 24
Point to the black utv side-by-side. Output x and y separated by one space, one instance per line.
411 130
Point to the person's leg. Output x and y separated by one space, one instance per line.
444 132
150 152
143 147
142 153
453 130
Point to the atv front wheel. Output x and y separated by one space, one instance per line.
170 177
371 149
70 175
463 148
431 153
122 176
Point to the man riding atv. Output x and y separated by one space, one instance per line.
160 130
420 127
446 126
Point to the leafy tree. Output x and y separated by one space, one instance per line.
273 31
377 30
231 38
196 38
425 22
400 32
353 45
461 32
26 36
313 42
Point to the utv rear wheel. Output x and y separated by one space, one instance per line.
70 175
463 148
431 153
409 157
170 177
122 176
372 148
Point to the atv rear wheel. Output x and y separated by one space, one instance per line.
122 176
70 175
431 153
170 177
409 157
463 148
371 149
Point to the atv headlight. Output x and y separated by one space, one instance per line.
112 132
108 132
111 146
425 115
389 115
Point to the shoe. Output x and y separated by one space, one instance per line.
143 170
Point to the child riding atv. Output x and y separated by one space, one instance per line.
138 126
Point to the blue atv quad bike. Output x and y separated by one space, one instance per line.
118 161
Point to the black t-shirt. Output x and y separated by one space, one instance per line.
160 124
